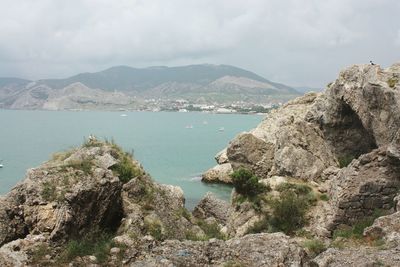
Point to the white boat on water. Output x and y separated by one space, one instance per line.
221 129
1 164
189 127
123 115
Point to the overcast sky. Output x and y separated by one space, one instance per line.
296 42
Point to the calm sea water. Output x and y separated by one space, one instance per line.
169 151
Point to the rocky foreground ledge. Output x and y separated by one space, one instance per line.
95 205
316 184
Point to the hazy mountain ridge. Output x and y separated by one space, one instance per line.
196 83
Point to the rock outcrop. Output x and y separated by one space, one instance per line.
219 174
357 257
212 207
285 143
251 250
358 113
369 183
95 188
345 144
56 198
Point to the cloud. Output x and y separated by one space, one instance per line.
293 41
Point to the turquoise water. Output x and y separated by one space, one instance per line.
170 152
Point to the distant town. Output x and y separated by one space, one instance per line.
183 105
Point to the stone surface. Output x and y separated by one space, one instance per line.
221 157
148 206
357 257
386 227
56 197
285 143
368 183
220 173
251 250
211 206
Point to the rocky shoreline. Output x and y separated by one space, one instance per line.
317 183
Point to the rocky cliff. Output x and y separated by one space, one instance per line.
344 145
317 183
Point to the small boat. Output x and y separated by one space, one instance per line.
221 129
1 164
123 115
189 127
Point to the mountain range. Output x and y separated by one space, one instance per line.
127 87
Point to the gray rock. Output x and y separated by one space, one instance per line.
211 206
368 183
357 257
251 250
218 174
221 157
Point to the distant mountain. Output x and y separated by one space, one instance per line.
10 81
204 83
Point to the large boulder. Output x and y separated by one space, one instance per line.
154 209
284 143
385 227
218 174
367 184
212 207
66 196
250 152
359 112
251 250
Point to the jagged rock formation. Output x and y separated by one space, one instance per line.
369 183
357 113
345 144
212 207
85 190
283 144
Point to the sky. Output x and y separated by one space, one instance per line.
295 42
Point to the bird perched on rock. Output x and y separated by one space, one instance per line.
371 63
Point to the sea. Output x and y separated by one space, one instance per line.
174 147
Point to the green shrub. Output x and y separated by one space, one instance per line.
125 169
259 227
324 197
302 191
211 230
246 183
38 255
97 243
92 142
84 165
288 212
183 212
190 235
155 229
49 191
392 82
357 230
314 246
345 160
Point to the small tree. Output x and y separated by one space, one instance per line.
246 183
288 212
